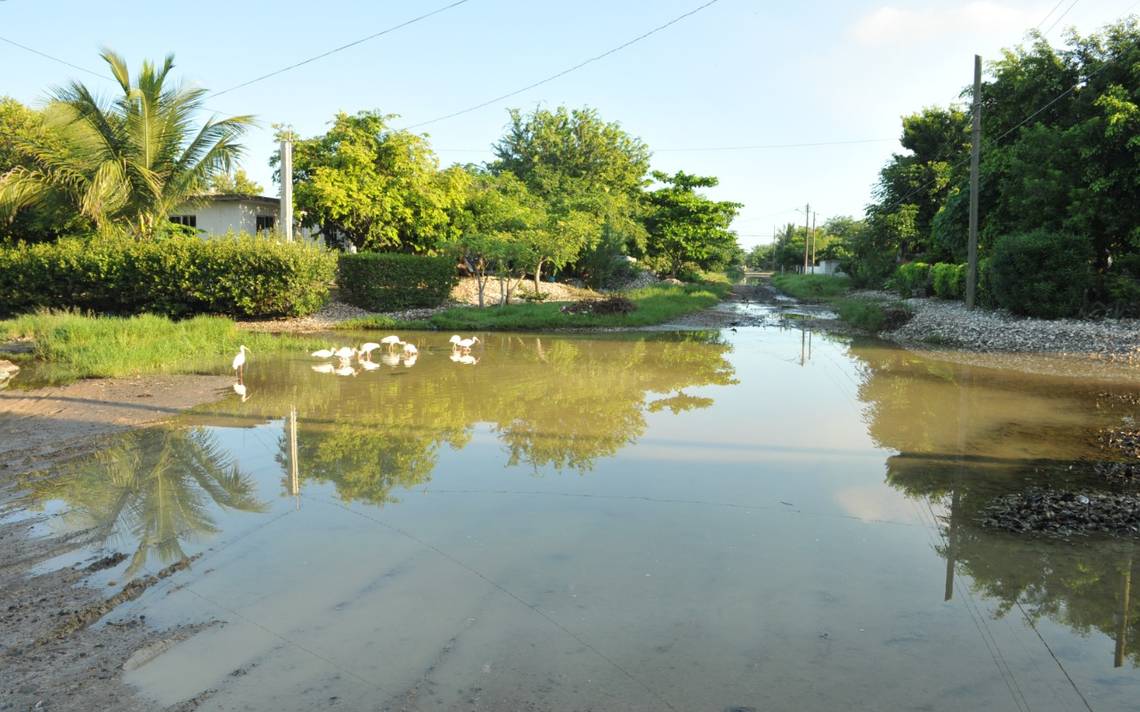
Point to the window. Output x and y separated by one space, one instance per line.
187 220
265 222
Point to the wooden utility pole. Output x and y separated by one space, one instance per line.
807 217
813 242
287 189
975 157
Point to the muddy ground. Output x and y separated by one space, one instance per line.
51 656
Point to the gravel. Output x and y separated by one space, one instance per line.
1065 513
949 323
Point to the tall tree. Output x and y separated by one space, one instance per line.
685 227
235 183
375 187
127 163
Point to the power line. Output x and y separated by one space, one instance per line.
1050 14
564 72
696 149
341 48
1061 17
45 55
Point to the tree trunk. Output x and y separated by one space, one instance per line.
537 278
481 282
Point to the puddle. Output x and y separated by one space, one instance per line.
767 519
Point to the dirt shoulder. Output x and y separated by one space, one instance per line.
51 655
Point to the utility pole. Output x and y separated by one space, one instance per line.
813 242
975 158
807 216
287 188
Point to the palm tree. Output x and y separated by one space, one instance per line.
127 163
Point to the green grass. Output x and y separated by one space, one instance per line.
655 305
70 346
812 287
871 315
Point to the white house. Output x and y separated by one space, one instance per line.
226 212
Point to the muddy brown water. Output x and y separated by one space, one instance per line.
764 519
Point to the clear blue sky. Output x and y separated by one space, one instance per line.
737 73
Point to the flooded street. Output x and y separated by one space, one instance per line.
761 519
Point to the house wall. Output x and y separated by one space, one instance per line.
222 217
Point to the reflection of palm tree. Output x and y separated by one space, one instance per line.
156 487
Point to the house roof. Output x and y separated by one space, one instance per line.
239 198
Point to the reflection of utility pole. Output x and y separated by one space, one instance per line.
294 471
1122 627
805 345
951 546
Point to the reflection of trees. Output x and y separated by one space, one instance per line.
558 403
950 425
154 487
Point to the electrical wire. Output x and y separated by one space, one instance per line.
341 48
45 55
1061 17
568 70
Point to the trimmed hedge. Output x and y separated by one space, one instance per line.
1041 273
240 276
912 279
387 281
948 280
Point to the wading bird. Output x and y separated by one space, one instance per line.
239 361
410 349
344 353
463 344
390 341
322 353
366 349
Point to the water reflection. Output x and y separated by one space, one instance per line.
966 435
152 490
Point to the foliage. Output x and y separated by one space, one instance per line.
948 280
235 183
912 279
69 346
812 287
1041 273
380 281
686 227
613 304
374 187
127 164
240 276
760 257
654 305
871 315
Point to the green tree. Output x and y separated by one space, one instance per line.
685 227
376 188
127 163
235 183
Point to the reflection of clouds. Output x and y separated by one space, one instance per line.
874 502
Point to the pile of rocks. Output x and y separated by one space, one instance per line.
1065 513
949 323
7 371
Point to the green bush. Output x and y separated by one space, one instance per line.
1041 273
387 281
236 275
912 279
948 280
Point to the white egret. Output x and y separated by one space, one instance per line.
366 349
324 368
454 340
390 341
344 353
239 361
466 344
323 353
410 349
410 361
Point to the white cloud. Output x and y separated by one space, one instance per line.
890 25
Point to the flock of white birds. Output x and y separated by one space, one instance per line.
395 351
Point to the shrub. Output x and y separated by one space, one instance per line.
236 275
948 280
912 279
871 315
1041 273
387 281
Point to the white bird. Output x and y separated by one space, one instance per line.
344 353
454 340
390 341
369 365
466 344
239 361
410 349
323 353
366 349
345 371
410 361
392 360
324 368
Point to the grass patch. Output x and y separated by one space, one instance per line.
813 287
70 346
871 315
654 305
